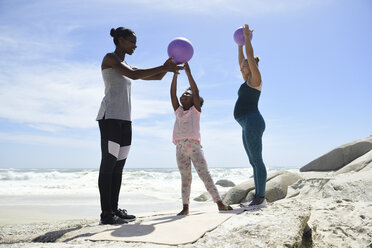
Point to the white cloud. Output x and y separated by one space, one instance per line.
64 94
21 44
23 138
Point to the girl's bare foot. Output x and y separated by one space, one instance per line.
185 210
223 207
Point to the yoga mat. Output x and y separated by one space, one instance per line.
168 229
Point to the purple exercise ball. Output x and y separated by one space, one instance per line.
180 49
239 36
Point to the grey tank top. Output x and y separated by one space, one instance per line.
116 103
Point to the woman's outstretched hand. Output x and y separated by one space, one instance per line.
187 68
171 66
247 32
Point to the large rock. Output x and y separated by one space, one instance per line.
277 187
281 224
341 156
249 196
341 209
238 193
357 164
225 183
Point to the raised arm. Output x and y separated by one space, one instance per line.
241 55
194 88
173 92
112 61
241 59
255 79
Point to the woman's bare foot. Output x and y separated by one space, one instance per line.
185 210
223 207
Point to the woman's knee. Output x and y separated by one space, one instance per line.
119 166
107 165
258 163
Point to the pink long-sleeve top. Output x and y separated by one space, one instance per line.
187 124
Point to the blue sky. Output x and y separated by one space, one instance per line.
315 64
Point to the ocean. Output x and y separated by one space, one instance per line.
142 191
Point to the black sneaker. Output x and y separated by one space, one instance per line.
111 219
123 214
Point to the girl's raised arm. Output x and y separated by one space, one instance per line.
173 92
194 88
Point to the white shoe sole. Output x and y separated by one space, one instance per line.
244 205
256 207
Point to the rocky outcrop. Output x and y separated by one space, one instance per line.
281 224
341 210
276 188
340 156
357 164
238 193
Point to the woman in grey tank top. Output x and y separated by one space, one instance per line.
114 119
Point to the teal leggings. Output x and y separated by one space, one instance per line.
253 126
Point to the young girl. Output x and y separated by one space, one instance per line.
186 136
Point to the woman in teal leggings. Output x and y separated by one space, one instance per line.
248 116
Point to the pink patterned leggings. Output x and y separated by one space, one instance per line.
187 151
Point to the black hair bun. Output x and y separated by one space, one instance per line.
113 32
